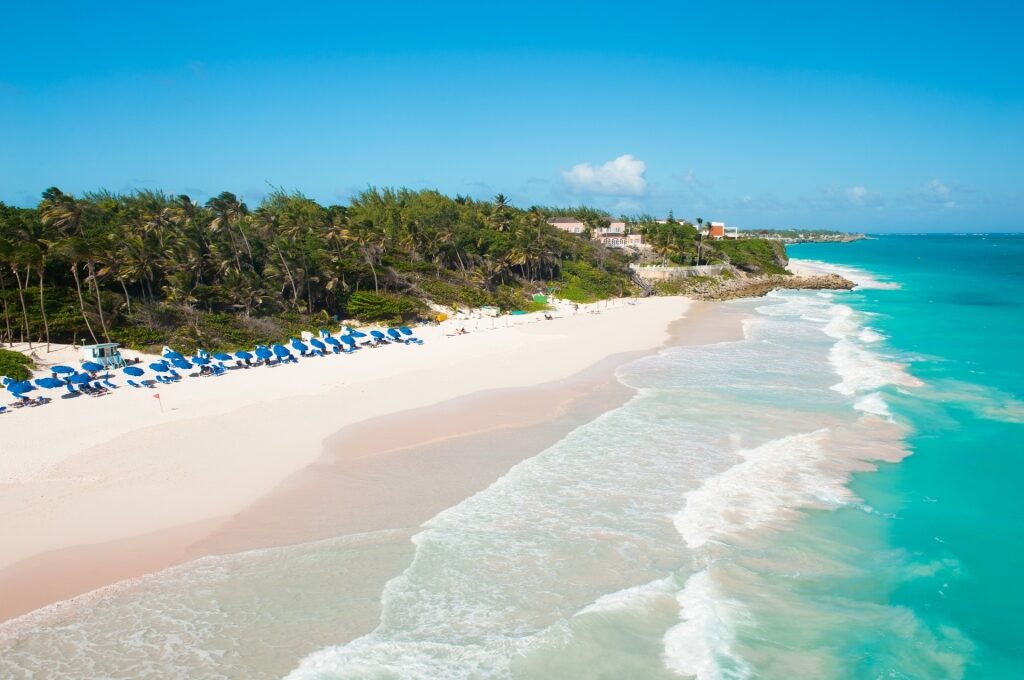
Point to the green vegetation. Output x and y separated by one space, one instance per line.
682 243
15 365
756 256
384 307
147 269
587 283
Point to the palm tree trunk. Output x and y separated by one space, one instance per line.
99 300
27 332
7 313
291 280
127 298
248 249
42 308
81 300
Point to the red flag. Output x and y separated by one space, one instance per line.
156 395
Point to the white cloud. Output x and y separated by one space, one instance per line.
853 196
623 176
937 192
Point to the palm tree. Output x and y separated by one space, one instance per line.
73 248
500 219
36 255
10 256
68 216
268 222
228 215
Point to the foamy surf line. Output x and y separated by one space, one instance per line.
860 277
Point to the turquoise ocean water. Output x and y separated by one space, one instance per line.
834 496
953 512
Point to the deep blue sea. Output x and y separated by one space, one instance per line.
835 495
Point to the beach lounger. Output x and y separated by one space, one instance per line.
107 383
3 409
134 384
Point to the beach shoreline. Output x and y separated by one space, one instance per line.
181 534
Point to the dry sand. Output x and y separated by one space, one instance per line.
96 490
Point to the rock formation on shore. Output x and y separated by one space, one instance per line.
741 286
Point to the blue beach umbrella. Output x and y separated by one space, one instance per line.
49 383
393 332
200 361
299 345
159 367
348 340
245 356
62 370
19 388
319 345
405 331
357 334
334 341
263 353
182 364
79 378
281 351
91 366
173 355
223 356
378 335
133 370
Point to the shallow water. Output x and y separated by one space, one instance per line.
750 512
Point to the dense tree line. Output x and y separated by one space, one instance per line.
88 264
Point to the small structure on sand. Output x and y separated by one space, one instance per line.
107 354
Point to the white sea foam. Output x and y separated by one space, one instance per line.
861 278
862 370
870 335
702 644
771 483
635 597
874 404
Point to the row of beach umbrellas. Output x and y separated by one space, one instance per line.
69 375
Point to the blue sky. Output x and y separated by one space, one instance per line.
877 116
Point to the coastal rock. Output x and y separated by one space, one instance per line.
722 288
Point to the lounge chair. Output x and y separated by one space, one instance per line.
134 384
3 409
107 383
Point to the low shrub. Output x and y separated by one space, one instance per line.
15 365
383 307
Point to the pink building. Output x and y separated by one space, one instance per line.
569 224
